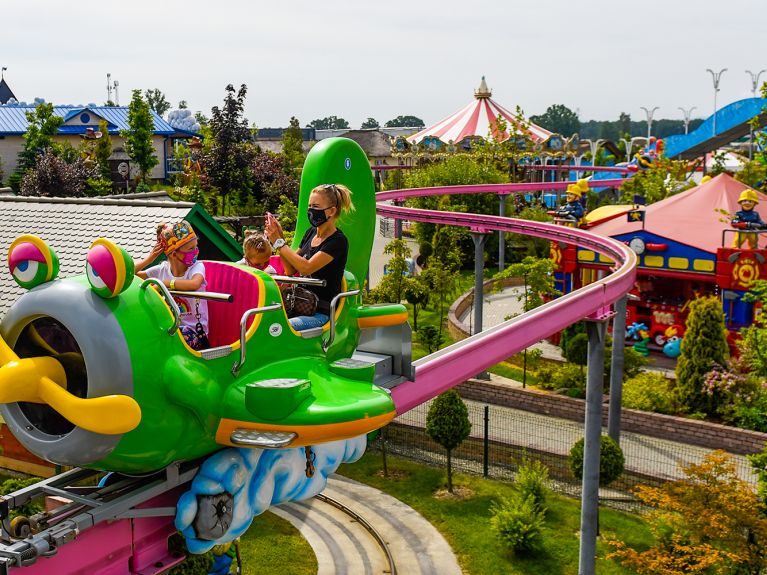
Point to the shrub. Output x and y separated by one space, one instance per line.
650 391
447 423
518 523
53 176
611 460
569 376
531 482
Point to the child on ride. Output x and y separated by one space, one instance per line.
181 271
257 250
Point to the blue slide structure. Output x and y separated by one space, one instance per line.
732 122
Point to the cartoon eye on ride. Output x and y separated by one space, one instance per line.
32 262
109 268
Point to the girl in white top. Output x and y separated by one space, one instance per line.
181 271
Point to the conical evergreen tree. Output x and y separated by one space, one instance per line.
704 343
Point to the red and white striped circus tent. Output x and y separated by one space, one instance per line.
477 119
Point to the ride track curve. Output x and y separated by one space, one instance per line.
458 362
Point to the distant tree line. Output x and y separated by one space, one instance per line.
562 120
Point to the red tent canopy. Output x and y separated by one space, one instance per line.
477 119
690 217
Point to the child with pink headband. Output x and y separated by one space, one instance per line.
182 272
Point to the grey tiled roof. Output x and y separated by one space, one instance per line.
69 226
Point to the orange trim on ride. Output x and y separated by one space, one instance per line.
306 434
382 320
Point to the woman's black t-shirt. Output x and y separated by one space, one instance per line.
337 246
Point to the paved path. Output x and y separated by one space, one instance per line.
343 546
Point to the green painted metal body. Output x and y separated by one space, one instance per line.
183 397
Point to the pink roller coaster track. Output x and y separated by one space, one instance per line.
454 364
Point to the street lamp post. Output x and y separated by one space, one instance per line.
716 76
649 114
754 86
686 114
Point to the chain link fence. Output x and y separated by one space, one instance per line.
502 437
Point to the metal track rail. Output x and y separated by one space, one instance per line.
368 527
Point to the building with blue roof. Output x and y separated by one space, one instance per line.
82 120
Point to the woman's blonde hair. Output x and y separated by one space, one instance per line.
337 195
257 242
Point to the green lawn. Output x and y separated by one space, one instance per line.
465 522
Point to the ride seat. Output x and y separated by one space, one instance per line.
224 317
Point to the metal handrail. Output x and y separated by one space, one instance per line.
211 295
169 299
740 231
332 331
243 329
300 280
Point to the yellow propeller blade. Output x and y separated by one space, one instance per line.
43 380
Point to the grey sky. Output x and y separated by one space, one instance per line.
356 58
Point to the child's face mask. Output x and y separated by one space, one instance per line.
190 258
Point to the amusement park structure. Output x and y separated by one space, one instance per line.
96 376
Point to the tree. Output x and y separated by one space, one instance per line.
447 423
708 523
138 136
370 123
611 460
293 146
704 344
417 295
329 123
441 282
753 345
392 286
103 150
559 119
182 105
228 163
271 180
405 122
53 176
43 125
538 274
157 102
430 337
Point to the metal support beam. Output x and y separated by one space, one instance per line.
479 239
596 331
501 233
397 223
616 371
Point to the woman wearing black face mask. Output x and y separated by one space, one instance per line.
323 249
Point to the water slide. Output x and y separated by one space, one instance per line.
732 122
452 365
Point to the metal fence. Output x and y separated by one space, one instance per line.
502 437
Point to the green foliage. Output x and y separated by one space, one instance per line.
753 173
611 460
753 344
43 125
528 246
442 283
370 124
447 423
430 337
663 179
14 484
292 146
704 344
102 151
531 482
758 463
228 160
156 101
577 349
559 119
566 376
405 122
455 170
329 123
98 187
138 136
538 274
392 285
518 523
633 362
417 295
650 391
